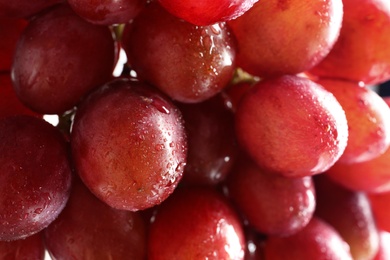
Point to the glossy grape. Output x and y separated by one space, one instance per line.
189 63
371 176
278 37
89 229
199 224
129 145
350 214
368 118
212 146
361 52
292 126
68 62
35 176
272 204
318 240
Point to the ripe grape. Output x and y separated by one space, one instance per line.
272 204
89 229
370 176
318 240
212 146
35 176
70 57
189 63
129 145
278 37
368 118
292 126
361 52
196 223
349 212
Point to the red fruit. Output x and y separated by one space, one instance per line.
35 176
317 240
350 214
68 62
361 52
291 126
87 228
371 176
212 147
129 145
196 223
189 63
272 204
278 37
207 12
368 118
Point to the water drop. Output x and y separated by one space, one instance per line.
38 210
160 105
180 166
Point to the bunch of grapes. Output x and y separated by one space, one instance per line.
237 130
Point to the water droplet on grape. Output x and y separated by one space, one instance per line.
180 166
38 210
160 105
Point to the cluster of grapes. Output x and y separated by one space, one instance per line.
245 130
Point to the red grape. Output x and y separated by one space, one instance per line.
196 223
35 176
370 176
349 212
292 126
207 12
129 145
278 37
189 63
107 12
361 52
89 229
68 61
272 204
368 118
212 146
318 240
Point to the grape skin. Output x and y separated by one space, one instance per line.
129 145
